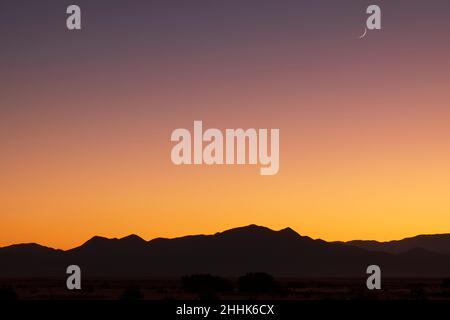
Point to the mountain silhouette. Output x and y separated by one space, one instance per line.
231 253
439 243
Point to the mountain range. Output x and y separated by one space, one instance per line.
232 253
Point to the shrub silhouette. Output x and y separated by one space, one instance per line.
131 294
205 283
258 282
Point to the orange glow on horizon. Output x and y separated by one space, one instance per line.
85 124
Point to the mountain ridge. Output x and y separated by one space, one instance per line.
231 252
365 244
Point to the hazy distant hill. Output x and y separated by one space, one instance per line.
232 252
439 243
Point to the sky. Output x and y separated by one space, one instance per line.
86 118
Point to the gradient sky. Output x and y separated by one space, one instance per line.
86 118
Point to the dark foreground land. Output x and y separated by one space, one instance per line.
206 287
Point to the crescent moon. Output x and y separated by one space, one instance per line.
362 36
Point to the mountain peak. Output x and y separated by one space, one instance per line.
289 232
253 229
96 239
132 238
250 229
27 247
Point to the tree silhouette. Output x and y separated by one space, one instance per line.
258 282
202 283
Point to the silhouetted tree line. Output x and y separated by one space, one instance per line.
205 282
258 282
